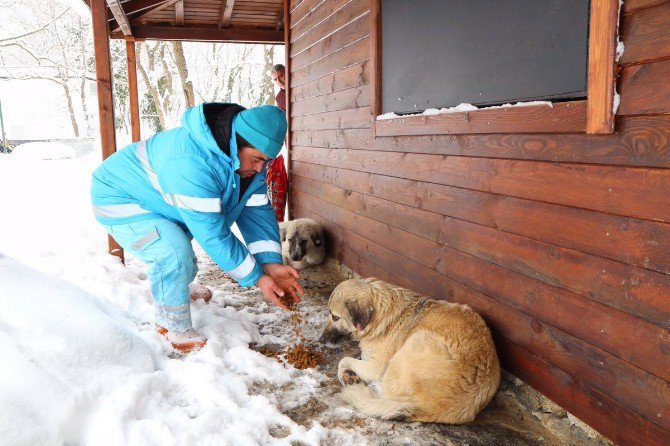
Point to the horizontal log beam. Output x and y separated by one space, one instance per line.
206 34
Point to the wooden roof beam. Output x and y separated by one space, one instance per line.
241 35
136 6
160 7
120 16
137 10
226 13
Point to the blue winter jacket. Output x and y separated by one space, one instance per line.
184 176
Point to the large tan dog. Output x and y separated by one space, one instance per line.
436 360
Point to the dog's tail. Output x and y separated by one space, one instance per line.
367 401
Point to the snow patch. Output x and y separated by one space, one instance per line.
616 102
82 363
619 49
43 151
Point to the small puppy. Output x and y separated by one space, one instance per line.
436 360
302 243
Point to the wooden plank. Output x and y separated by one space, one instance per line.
152 11
353 76
270 16
632 192
350 12
614 421
133 99
354 31
630 6
207 34
640 141
353 118
633 290
645 89
631 387
353 54
607 329
103 74
341 100
646 34
256 17
603 24
134 6
295 4
116 8
562 117
179 13
264 10
315 16
299 12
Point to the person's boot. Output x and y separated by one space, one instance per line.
183 341
199 292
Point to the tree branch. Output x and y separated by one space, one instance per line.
9 40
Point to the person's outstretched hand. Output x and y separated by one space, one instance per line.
286 277
271 291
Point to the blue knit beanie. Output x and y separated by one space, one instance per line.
263 127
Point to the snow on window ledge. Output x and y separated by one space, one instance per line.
464 107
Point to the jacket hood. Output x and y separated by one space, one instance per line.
210 125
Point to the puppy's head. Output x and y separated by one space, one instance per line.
351 308
303 243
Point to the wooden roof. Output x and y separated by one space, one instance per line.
251 21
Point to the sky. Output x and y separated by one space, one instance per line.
82 363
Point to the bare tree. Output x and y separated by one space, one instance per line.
146 64
39 47
267 92
182 70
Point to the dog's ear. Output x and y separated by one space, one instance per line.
282 234
360 316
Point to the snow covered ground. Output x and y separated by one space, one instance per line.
81 363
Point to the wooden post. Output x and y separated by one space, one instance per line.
103 71
602 49
131 63
287 79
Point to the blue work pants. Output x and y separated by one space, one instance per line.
166 249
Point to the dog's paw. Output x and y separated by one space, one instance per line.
350 377
343 368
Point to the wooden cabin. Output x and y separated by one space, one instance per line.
551 221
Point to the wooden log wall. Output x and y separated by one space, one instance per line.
561 241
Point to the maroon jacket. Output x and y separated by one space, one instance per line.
280 99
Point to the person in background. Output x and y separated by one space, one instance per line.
195 181
276 171
278 75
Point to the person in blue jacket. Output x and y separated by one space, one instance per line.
195 181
